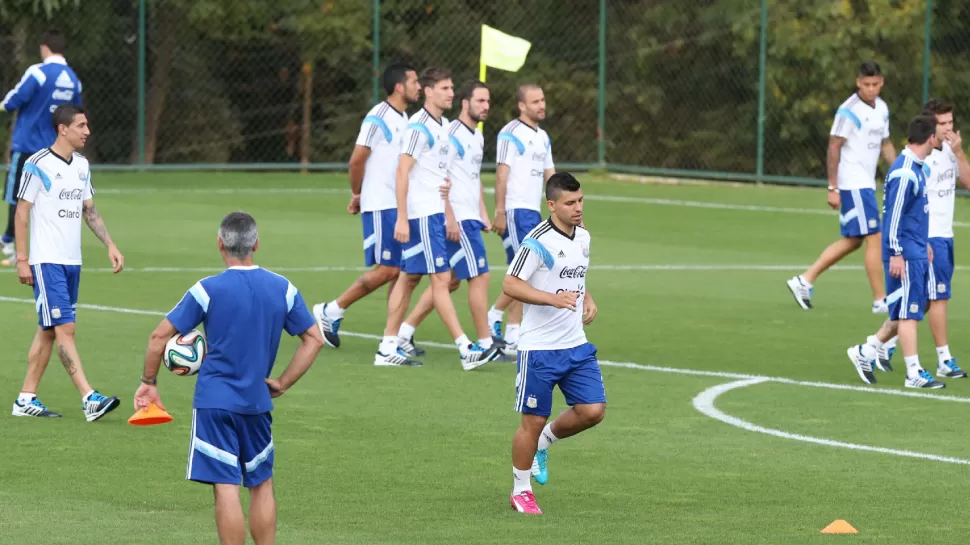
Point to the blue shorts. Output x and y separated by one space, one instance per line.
230 448
575 370
55 293
860 212
940 280
467 256
907 295
426 252
380 248
519 221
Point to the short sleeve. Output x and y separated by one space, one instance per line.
548 164
885 130
298 317
31 182
191 310
88 188
532 255
845 123
415 139
371 131
509 147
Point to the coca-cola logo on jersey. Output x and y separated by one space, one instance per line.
576 272
70 195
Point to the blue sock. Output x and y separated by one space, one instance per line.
7 239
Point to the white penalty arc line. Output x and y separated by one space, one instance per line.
704 402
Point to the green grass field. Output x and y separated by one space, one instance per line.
690 284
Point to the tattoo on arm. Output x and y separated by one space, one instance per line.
96 224
69 364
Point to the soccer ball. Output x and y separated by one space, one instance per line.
184 354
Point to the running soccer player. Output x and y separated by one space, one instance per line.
422 206
373 166
244 309
906 257
466 248
859 135
548 275
42 88
524 164
54 195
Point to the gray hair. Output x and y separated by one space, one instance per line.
238 234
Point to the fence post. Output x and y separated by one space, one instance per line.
762 62
601 123
142 38
926 50
376 58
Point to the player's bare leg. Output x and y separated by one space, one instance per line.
262 513
524 446
389 353
472 355
95 405
801 285
875 272
329 315
27 403
576 419
230 522
478 305
420 312
497 313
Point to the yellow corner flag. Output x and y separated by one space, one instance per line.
502 51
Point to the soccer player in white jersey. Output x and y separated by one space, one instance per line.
859 135
422 205
466 247
947 163
548 275
373 166
55 195
524 164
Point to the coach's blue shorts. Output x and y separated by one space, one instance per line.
467 256
380 248
907 295
519 221
860 212
230 448
941 269
55 293
575 370
426 252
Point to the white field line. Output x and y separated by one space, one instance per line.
592 197
704 402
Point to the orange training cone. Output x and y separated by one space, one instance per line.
149 416
839 527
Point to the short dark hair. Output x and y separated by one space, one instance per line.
65 114
521 91
394 74
431 76
55 40
238 234
468 89
559 182
920 129
869 68
936 107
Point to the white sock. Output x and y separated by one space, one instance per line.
521 480
406 331
806 283
546 438
463 343
87 395
874 342
912 366
334 312
25 397
388 345
891 343
485 343
512 333
495 315
943 353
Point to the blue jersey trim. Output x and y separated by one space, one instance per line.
540 250
423 130
388 135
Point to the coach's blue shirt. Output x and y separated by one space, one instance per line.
41 90
905 209
245 311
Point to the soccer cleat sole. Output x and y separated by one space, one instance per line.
884 365
112 404
951 374
380 362
331 340
48 414
935 385
868 378
805 305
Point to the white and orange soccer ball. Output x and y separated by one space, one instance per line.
184 354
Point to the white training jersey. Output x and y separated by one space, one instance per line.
528 153
552 262
941 185
57 188
864 127
427 141
468 147
381 131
